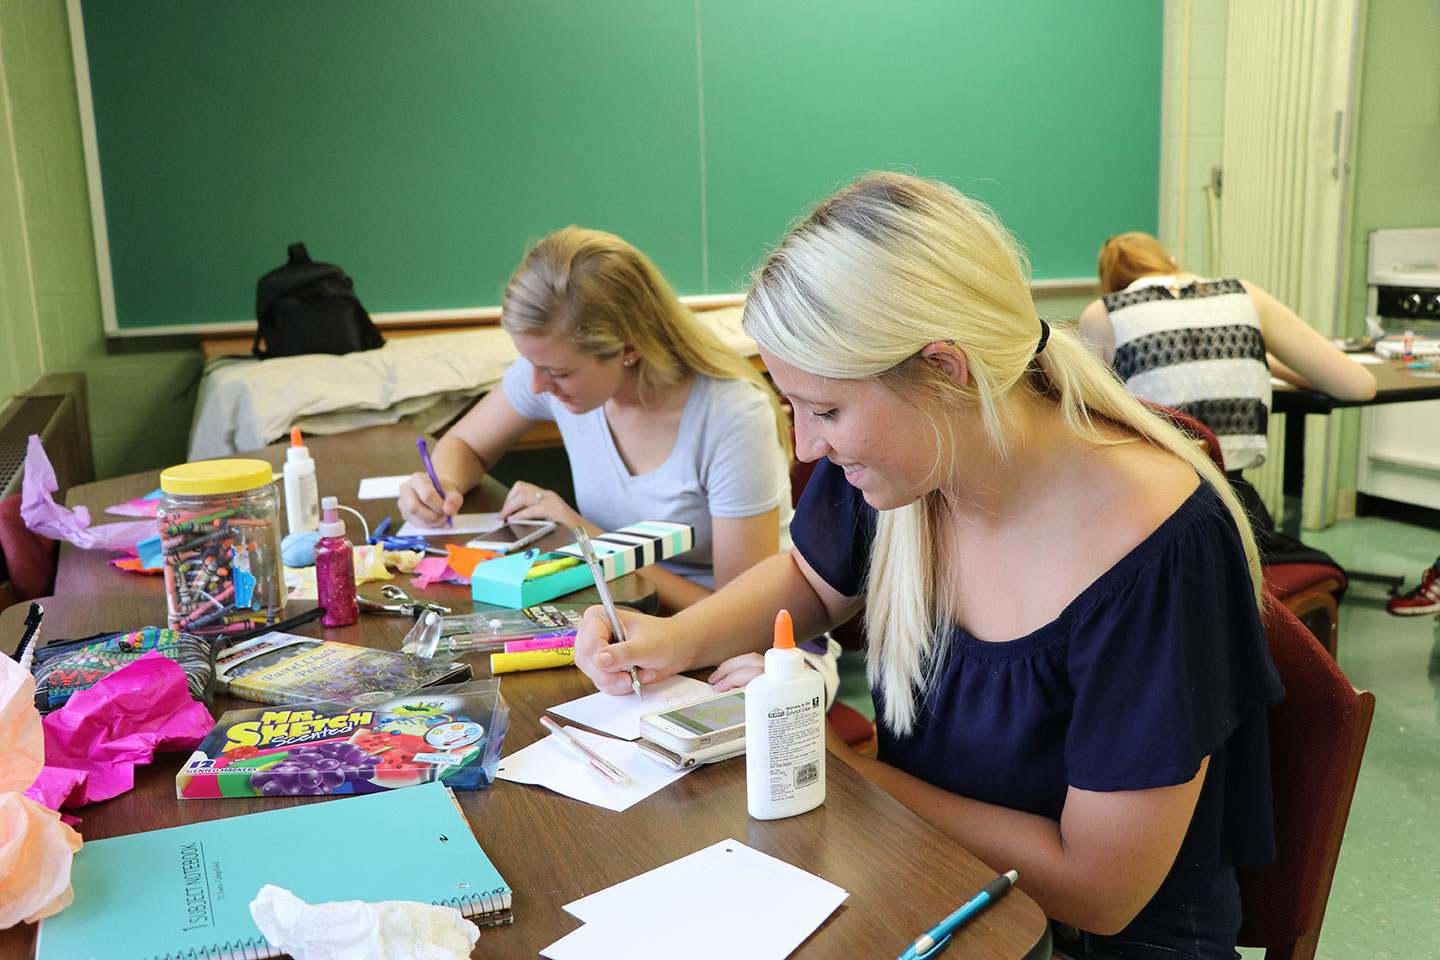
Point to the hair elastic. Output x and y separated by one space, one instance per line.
1044 337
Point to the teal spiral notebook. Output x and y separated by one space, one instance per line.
186 891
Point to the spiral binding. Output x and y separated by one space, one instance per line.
479 902
251 948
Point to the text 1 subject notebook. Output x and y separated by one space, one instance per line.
186 891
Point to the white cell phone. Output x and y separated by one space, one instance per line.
680 761
698 725
512 535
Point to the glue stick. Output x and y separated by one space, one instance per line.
784 732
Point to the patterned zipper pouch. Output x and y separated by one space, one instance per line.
65 667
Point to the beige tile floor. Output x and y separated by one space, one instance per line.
1385 902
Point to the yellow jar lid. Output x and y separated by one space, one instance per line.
216 476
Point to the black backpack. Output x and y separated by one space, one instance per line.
309 307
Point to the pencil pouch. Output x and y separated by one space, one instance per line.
65 667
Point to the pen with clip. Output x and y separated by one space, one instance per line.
430 469
937 936
597 763
603 588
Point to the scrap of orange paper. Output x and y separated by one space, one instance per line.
463 560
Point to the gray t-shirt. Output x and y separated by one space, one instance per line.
727 462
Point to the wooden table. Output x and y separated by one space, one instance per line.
341 462
902 874
1394 383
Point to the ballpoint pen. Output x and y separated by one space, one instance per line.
597 763
430 469
603 588
937 936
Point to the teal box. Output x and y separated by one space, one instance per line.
502 581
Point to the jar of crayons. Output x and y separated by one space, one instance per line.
219 524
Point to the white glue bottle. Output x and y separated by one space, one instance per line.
784 732
302 496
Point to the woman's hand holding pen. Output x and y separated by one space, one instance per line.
650 646
421 504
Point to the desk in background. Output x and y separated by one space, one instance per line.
903 875
1394 384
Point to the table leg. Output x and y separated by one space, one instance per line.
1293 477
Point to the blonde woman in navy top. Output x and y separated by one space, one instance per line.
1062 598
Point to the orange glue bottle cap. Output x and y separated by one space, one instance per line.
295 440
784 631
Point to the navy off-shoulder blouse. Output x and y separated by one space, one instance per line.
1157 664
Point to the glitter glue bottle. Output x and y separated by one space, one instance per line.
784 732
335 569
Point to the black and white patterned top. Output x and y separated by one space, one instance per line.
1195 345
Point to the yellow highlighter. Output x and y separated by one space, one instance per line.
551 566
532 660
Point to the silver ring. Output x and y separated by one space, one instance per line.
538 495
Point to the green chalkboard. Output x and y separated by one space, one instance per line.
423 146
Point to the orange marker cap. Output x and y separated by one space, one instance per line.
295 440
784 631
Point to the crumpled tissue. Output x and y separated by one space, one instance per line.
96 740
35 847
44 516
356 930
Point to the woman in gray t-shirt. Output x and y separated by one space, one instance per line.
661 420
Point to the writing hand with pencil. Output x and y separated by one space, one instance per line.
422 505
647 648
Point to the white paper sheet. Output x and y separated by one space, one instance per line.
648 915
1365 358
381 488
620 716
464 523
549 763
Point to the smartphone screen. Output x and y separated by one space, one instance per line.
708 716
505 533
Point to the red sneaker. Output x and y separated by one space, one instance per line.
1420 601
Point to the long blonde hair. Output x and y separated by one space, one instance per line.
876 272
600 293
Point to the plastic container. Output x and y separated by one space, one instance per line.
219 524
784 732
335 569
302 494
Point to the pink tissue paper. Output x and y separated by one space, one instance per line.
46 517
94 742
435 570
36 849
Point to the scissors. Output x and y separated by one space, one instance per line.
404 604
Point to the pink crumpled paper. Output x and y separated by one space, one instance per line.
94 742
46 517
435 570
35 847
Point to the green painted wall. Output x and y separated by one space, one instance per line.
50 308
1397 154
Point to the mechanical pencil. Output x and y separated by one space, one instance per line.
597 763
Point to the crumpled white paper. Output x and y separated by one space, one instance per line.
356 930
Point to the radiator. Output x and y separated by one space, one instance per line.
55 408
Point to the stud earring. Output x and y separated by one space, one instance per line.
630 362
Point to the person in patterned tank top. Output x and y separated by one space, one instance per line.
1208 347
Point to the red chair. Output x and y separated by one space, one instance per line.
29 559
1311 591
1317 740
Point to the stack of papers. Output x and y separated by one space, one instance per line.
722 902
1420 347
549 763
620 716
